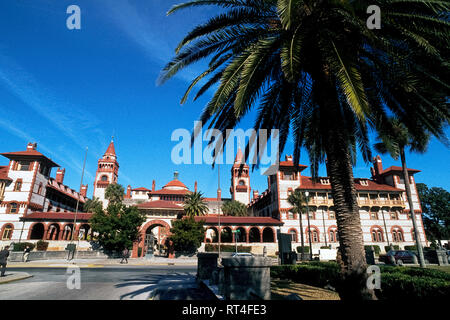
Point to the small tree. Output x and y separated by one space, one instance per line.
194 205
117 227
234 208
114 193
187 234
436 211
92 205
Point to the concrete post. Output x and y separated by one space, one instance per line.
246 278
207 264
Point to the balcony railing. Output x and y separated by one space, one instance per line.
367 202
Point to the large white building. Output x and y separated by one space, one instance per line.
35 206
384 209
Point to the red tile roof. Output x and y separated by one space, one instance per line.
52 183
30 153
4 173
111 150
141 189
308 183
81 216
289 163
166 191
398 169
161 204
239 220
175 183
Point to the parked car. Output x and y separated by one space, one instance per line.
242 254
398 257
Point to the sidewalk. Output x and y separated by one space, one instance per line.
14 276
98 263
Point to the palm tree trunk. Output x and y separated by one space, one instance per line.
339 166
351 244
411 208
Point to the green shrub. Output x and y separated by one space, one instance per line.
41 245
376 248
396 282
401 286
313 273
411 248
22 245
325 247
305 249
417 272
226 248
387 248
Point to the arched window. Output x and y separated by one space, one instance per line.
293 234
397 235
377 235
7 232
104 178
333 235
13 208
40 188
241 182
315 236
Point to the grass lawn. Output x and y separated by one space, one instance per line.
280 289
441 268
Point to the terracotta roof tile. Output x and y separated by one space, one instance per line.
161 204
81 216
239 220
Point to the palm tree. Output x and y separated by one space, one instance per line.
314 67
394 138
298 201
92 205
234 208
114 193
194 205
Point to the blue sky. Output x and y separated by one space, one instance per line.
72 89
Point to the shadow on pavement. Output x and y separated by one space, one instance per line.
174 286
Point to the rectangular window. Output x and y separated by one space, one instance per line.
331 215
24 166
18 185
13 208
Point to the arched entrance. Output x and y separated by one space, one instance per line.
84 231
254 235
53 232
154 238
226 235
37 232
212 235
241 235
268 235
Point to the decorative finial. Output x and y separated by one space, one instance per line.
175 175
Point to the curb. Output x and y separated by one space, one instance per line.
17 278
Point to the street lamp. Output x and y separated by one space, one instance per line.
309 226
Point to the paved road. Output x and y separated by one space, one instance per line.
107 283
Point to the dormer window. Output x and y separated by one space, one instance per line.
324 181
364 183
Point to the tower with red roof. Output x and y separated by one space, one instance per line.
240 179
107 173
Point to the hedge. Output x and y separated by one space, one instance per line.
41 245
387 248
20 246
226 248
396 282
305 249
411 248
376 248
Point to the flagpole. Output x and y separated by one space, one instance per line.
78 200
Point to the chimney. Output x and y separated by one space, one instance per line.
195 187
219 194
128 192
255 194
153 186
83 190
60 175
31 146
377 168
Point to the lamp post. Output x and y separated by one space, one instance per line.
309 226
